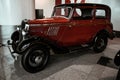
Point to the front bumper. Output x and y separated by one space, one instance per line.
13 54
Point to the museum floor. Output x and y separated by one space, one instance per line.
79 65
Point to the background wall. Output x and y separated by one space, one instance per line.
46 5
12 12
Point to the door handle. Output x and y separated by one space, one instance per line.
70 26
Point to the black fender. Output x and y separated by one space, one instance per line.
104 32
47 43
25 42
108 34
17 36
117 59
95 36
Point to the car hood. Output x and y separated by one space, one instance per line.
48 20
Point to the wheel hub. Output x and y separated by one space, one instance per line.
101 43
36 58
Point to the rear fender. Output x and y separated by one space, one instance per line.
100 32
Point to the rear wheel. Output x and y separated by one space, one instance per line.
35 58
100 43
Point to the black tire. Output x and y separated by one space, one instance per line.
117 59
100 42
35 58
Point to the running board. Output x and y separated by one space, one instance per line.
13 54
81 47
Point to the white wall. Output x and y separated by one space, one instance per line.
115 7
12 12
46 5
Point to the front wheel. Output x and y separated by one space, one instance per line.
100 43
35 58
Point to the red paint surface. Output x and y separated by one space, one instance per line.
67 1
83 1
49 20
69 32
57 2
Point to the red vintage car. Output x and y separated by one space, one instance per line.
71 27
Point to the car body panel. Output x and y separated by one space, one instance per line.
68 31
76 28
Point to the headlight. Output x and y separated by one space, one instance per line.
23 33
18 28
26 29
24 22
15 36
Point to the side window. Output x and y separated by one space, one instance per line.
100 14
87 13
83 13
65 11
77 14
78 11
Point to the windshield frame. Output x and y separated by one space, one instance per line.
70 14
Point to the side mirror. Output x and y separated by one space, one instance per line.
117 59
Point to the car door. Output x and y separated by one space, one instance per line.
79 31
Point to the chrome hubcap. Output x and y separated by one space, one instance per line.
36 58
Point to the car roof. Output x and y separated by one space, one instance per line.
84 4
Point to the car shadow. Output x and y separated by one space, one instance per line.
57 63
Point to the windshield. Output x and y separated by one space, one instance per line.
62 11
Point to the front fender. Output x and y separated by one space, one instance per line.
25 42
16 35
117 59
